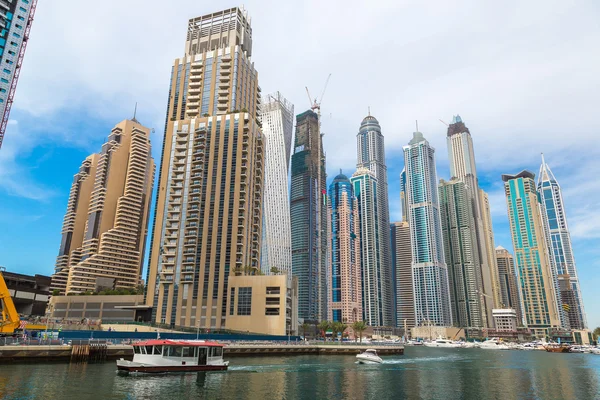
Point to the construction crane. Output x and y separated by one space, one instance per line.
316 104
15 79
9 318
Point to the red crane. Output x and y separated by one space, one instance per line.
15 79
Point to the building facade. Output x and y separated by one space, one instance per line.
263 304
538 296
509 288
105 227
461 155
308 217
559 243
277 117
344 280
430 274
404 304
371 155
208 216
460 250
30 293
373 275
505 320
16 18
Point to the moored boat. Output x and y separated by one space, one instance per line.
158 356
494 344
557 348
441 342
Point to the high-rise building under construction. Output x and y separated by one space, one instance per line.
105 226
308 215
208 216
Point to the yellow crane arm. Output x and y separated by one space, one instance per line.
9 318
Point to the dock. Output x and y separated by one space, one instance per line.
78 353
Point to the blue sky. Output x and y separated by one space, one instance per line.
524 78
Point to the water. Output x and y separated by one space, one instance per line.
422 373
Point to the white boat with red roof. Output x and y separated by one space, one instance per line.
158 356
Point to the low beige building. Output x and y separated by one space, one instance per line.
109 308
265 304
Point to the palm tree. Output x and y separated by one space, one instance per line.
596 334
338 327
304 328
359 327
323 326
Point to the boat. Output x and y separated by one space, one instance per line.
596 351
369 356
494 344
557 348
576 349
441 342
158 356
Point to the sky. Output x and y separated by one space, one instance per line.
522 75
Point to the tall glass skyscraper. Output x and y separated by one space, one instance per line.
16 17
430 275
480 250
462 258
538 293
559 241
371 156
277 117
308 216
344 281
374 307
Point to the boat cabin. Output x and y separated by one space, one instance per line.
173 352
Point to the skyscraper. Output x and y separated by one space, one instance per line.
16 18
105 226
277 117
344 283
371 155
462 258
208 216
509 288
461 155
430 275
402 270
308 210
559 240
375 309
538 294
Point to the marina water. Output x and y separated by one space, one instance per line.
422 373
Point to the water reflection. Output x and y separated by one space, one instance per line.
420 374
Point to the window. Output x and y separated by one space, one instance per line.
157 350
273 301
272 311
188 351
273 290
244 301
137 350
231 301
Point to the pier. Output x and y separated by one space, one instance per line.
104 352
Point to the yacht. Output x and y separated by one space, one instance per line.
369 356
494 344
440 342
596 350
576 349
156 356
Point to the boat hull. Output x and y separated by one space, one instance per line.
169 368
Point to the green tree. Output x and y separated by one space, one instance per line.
304 328
274 270
323 327
596 333
56 292
340 327
359 327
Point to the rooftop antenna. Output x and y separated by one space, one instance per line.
135 113
543 161
369 110
340 171
417 124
